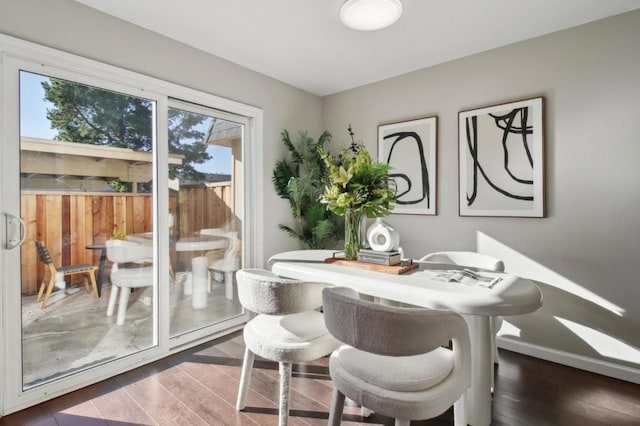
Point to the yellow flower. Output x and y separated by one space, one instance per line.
343 177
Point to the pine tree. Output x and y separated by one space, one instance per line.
90 115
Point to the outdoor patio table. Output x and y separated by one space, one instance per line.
197 282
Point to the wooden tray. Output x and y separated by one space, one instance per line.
396 269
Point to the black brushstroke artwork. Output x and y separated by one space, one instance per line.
424 172
506 123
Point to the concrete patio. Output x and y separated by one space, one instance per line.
74 332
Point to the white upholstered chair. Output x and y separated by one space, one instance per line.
473 260
124 278
287 328
392 360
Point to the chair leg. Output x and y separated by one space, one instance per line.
122 305
94 284
403 422
493 370
113 298
245 378
85 282
172 275
52 281
459 413
496 323
228 285
337 407
43 285
285 392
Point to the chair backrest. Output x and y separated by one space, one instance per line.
122 251
264 292
43 253
390 330
466 258
213 231
232 252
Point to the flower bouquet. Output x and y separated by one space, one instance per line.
358 186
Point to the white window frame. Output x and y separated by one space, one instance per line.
19 54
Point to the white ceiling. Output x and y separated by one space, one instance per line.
303 42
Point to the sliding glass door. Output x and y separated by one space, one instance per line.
125 222
205 210
86 182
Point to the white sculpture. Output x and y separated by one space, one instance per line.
383 237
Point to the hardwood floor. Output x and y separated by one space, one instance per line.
199 386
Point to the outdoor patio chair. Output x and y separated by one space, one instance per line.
53 274
136 273
214 255
228 264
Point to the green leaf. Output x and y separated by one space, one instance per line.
302 181
295 155
292 233
282 172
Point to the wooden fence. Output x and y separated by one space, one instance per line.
67 222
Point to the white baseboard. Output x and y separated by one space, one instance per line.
605 368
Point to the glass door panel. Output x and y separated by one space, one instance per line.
86 181
205 217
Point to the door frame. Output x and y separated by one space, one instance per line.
16 54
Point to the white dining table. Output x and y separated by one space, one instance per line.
512 295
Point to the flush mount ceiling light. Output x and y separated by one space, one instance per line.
370 15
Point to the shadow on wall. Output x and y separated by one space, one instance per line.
573 319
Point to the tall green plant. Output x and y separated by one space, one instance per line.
301 180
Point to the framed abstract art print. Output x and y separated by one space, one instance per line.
410 148
501 160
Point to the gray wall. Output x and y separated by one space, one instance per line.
586 253
74 28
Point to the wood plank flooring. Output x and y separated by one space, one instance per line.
199 386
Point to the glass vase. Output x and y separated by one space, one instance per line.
353 233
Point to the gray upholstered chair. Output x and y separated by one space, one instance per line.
392 360
287 328
473 260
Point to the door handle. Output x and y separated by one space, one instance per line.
15 239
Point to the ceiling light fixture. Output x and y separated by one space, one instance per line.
370 15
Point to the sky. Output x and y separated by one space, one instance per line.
34 122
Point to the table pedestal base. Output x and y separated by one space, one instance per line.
477 401
200 289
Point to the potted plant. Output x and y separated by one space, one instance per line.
301 181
